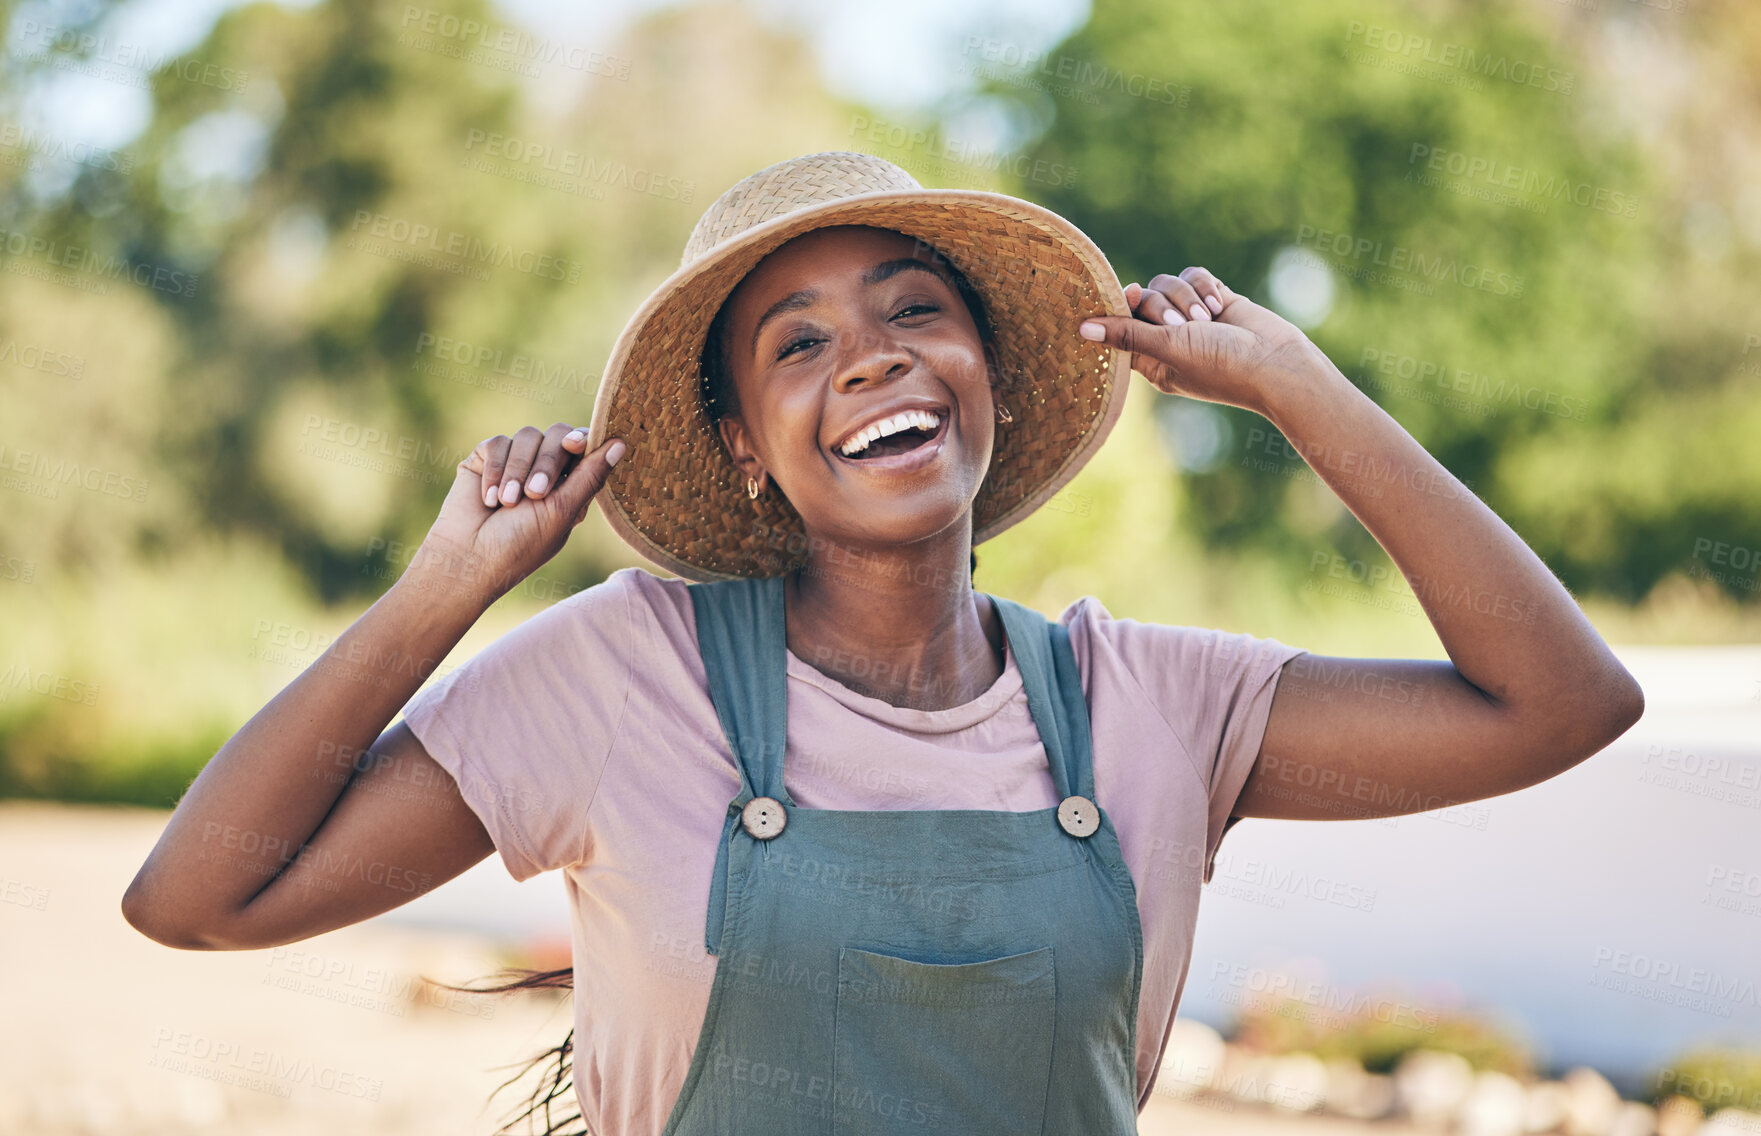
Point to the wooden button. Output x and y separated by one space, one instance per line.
1078 816
764 817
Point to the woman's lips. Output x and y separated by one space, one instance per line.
909 460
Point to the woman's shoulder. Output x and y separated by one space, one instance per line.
654 611
667 597
1099 638
633 586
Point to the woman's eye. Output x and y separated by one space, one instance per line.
788 348
804 341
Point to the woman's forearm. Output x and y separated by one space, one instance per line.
1506 622
262 796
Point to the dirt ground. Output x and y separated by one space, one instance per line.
105 1031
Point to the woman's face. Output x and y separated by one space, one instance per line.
836 331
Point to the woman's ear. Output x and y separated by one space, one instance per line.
739 444
1001 384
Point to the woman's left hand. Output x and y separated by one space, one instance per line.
1192 335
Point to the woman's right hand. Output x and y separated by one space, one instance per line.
512 505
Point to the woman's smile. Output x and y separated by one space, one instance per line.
901 437
862 382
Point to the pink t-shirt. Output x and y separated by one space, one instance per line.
588 742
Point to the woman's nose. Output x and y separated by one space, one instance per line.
869 357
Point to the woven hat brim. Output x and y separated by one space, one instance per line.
678 499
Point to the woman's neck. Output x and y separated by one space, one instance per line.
904 628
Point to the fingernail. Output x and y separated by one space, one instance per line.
489 498
615 452
537 482
1199 313
575 435
1214 304
1092 330
1173 316
510 491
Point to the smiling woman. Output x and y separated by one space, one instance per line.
905 424
865 393
852 846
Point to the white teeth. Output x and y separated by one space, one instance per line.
904 420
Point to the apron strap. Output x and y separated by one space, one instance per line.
1054 694
741 636
740 632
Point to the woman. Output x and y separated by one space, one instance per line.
850 845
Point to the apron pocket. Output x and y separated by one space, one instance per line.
942 1047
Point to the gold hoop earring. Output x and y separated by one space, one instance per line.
1003 414
752 488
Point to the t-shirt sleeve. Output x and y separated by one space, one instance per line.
1213 689
525 725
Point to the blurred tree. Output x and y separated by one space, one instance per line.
1713 1078
1429 190
1377 1032
394 248
395 253
384 249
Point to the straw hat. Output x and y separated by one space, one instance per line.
677 497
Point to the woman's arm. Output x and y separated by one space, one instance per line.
1530 688
314 815
293 828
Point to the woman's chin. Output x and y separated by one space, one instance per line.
904 524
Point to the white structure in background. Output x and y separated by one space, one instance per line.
1434 1089
1431 1086
1731 1122
1355 1092
1592 1104
1497 1105
1295 1082
1192 1060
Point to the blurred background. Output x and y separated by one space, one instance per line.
268 271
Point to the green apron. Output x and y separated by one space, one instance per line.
960 971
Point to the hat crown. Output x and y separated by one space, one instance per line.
811 179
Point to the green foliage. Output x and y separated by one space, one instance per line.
1366 1032
1713 1078
36 763
287 429
1493 241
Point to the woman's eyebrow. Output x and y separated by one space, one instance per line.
793 302
806 297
